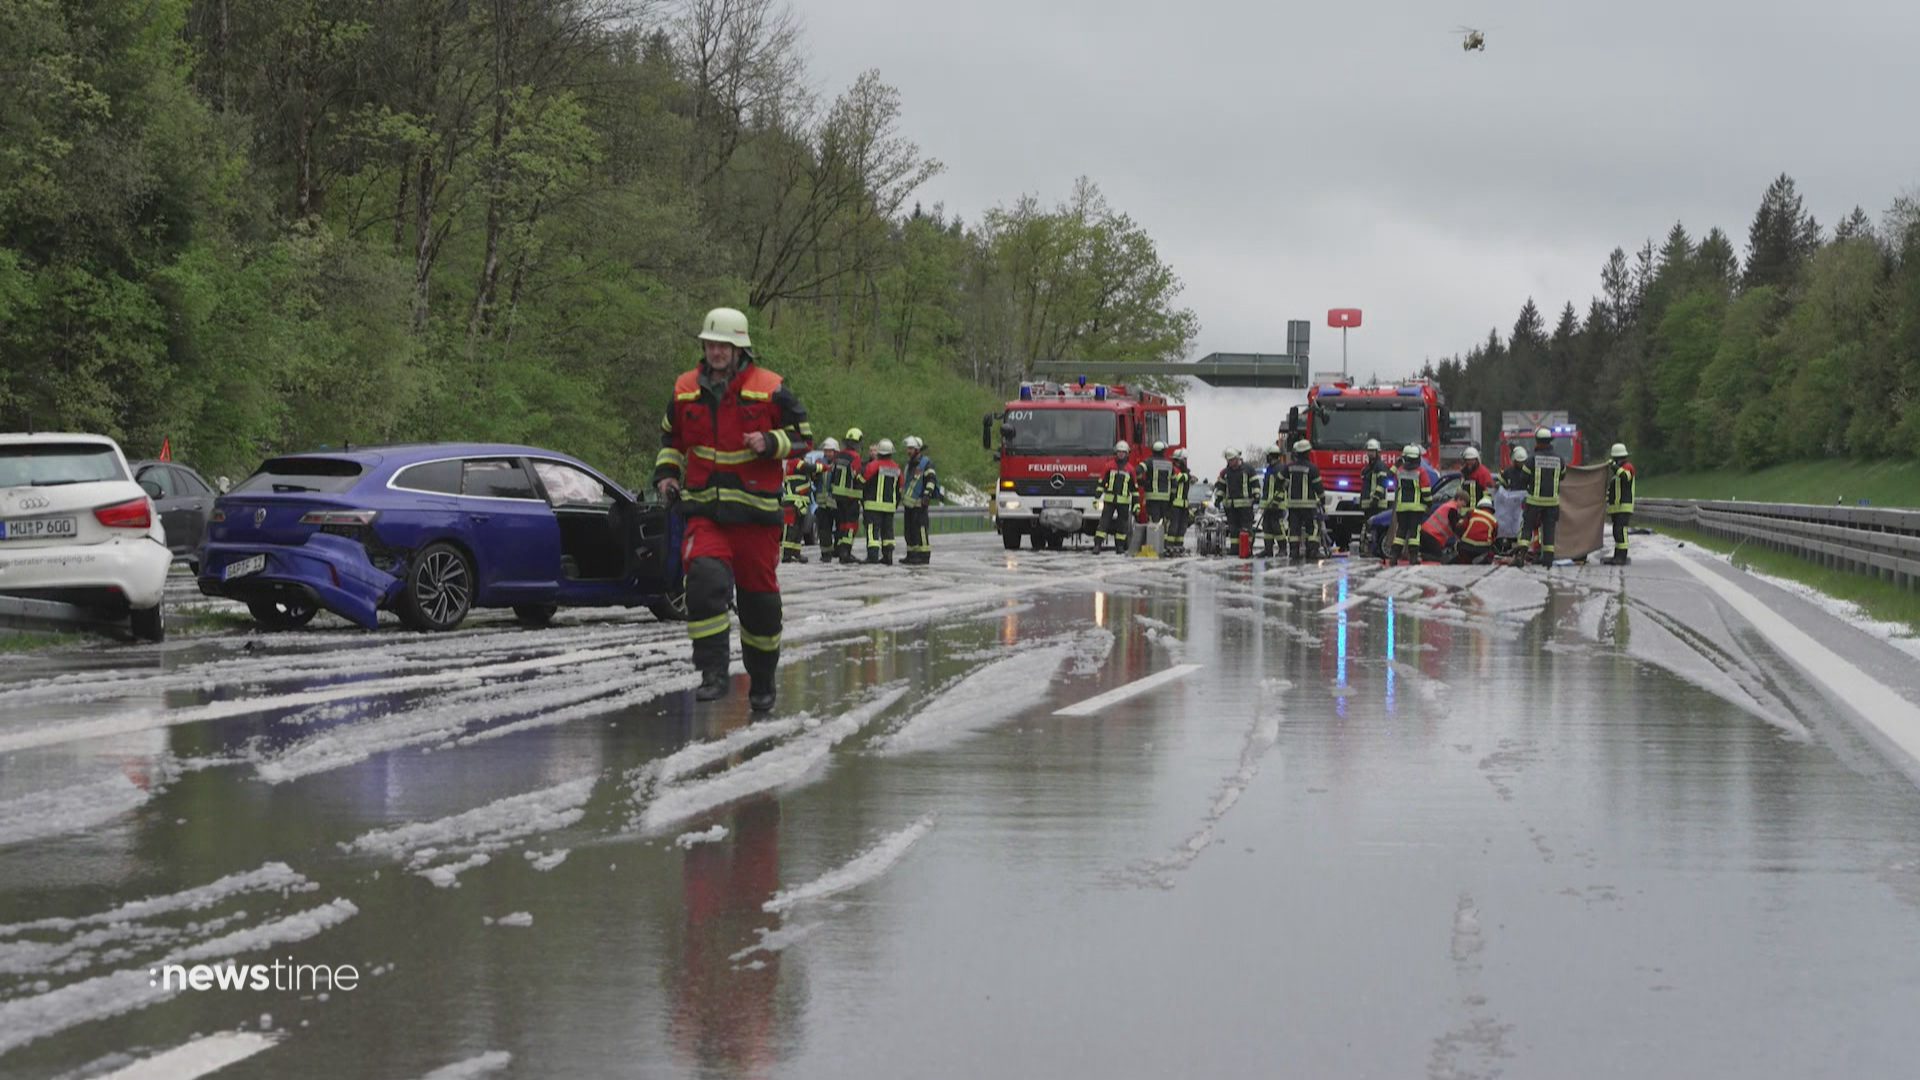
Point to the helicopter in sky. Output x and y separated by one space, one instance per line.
1471 40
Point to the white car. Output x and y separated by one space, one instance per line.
75 528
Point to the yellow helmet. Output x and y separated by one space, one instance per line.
853 434
726 324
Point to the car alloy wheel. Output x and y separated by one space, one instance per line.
439 589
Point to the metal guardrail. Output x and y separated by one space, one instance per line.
955 519
1866 540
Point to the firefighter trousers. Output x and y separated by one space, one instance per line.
847 527
1273 526
880 536
737 563
1303 532
1472 554
1177 527
1406 534
790 544
1621 522
1537 526
1239 520
919 538
1116 524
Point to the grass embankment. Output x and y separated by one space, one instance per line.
1878 599
1881 483
895 400
17 641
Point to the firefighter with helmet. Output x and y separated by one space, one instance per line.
826 524
1233 493
1273 502
1541 516
1155 479
1117 492
880 497
728 428
1475 480
1619 502
923 486
1412 499
1374 477
1304 494
1179 512
1476 539
847 481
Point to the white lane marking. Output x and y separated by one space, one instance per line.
197 1058
1892 715
1133 689
1345 605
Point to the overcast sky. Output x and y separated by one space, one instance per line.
1289 158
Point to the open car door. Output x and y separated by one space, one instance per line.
656 573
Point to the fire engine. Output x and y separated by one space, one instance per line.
1056 443
1520 429
1340 417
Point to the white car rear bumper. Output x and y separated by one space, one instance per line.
137 566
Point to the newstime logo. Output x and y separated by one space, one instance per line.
279 975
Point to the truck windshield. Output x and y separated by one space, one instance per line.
1064 431
1562 446
1354 422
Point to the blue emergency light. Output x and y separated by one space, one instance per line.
1026 391
1083 382
1100 393
1409 391
1330 391
1343 483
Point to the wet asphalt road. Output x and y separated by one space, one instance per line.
1442 822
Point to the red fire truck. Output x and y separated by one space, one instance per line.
1521 428
1340 417
1056 442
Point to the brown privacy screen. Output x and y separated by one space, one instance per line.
1583 511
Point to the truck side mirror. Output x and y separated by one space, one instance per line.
1293 419
986 432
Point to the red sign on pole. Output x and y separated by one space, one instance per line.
1343 317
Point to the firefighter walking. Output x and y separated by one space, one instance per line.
923 486
845 481
1620 503
796 492
880 493
1117 493
1541 515
1412 496
728 428
1180 512
1304 493
1272 500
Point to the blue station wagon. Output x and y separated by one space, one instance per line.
431 532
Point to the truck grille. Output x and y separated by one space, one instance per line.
1045 487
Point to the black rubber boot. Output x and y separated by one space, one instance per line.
800 557
710 658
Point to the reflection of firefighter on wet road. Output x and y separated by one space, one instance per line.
725 1009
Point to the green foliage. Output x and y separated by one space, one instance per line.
1881 600
1810 351
1881 483
254 228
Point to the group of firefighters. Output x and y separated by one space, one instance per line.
736 455
845 498
1288 496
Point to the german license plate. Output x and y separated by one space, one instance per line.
39 528
1048 504
242 568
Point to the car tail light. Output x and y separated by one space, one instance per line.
352 524
134 514
217 516
356 518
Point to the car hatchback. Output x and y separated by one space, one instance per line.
432 532
76 529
